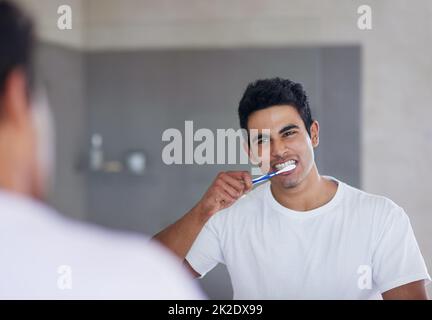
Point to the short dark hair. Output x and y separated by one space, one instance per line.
16 42
266 93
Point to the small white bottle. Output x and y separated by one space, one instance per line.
96 152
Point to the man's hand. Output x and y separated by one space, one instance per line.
226 189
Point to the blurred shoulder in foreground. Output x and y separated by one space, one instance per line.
44 255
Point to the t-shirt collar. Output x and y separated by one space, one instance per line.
310 213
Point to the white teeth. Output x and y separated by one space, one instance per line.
283 165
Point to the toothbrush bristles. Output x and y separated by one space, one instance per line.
287 168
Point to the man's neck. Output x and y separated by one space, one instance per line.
311 193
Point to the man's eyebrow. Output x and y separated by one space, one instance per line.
288 127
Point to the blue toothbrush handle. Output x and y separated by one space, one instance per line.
263 178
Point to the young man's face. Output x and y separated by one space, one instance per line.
288 140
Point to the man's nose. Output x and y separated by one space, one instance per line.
277 148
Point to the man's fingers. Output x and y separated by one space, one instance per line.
244 176
223 197
229 189
237 174
236 177
247 178
233 182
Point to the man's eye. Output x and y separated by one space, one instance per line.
262 140
288 133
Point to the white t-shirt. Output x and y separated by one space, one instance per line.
46 256
356 246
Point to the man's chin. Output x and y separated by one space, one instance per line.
286 182
290 184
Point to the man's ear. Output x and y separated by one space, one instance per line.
15 106
314 130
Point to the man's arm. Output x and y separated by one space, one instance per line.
227 188
411 291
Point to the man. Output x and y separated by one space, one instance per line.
303 235
44 255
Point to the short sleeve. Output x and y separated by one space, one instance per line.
397 259
206 251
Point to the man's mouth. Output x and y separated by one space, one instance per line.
280 166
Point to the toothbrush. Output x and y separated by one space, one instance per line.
270 175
